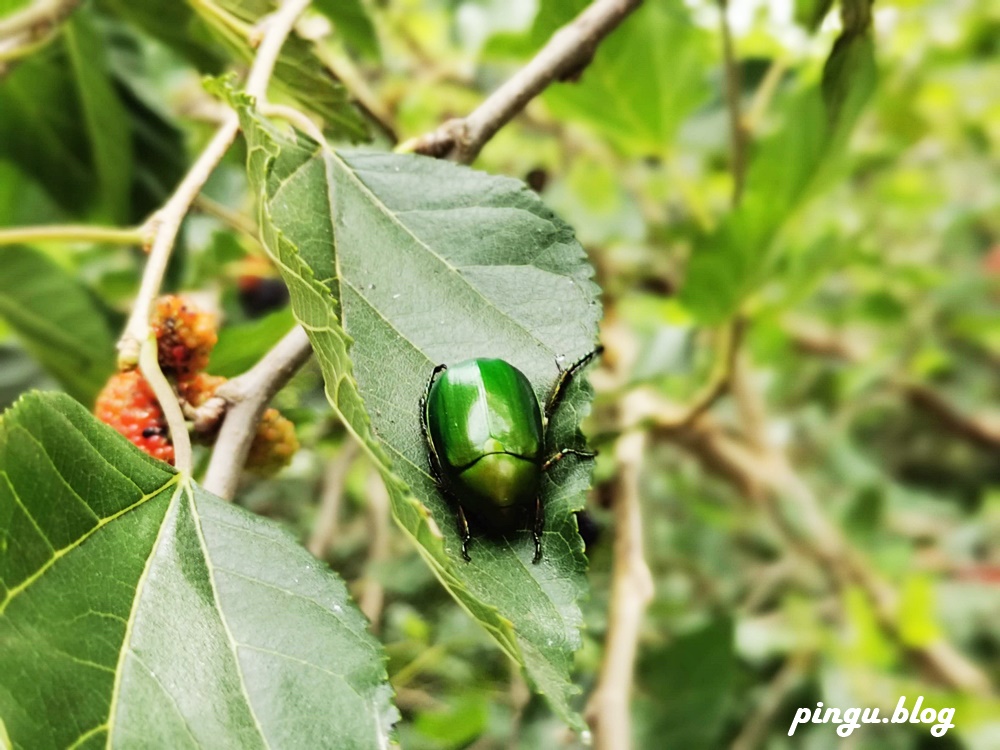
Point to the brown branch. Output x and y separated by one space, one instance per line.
334 481
37 17
980 430
788 679
608 711
373 596
721 381
734 85
247 396
563 58
764 474
24 32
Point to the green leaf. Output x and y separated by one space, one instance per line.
9 6
687 688
63 122
196 30
646 77
176 25
435 263
57 319
158 146
134 605
298 71
786 169
550 16
352 22
19 373
242 346
810 13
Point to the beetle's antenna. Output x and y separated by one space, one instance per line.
565 376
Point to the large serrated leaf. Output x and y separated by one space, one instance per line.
63 123
137 609
351 21
298 70
436 263
644 80
57 319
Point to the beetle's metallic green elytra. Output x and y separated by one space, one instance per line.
485 435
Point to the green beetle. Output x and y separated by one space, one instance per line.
485 436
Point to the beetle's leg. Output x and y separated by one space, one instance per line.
560 455
537 531
425 430
564 379
463 530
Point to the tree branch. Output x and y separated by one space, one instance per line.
563 57
720 382
978 430
334 481
734 86
164 226
40 15
247 396
788 679
981 430
149 366
75 233
373 596
23 32
764 474
608 711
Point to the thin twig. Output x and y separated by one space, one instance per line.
720 382
334 481
788 679
764 473
764 94
294 117
608 711
37 19
232 218
213 11
734 86
982 430
373 596
149 366
978 430
73 233
361 94
165 224
563 57
247 396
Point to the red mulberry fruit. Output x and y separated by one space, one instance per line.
185 335
128 404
